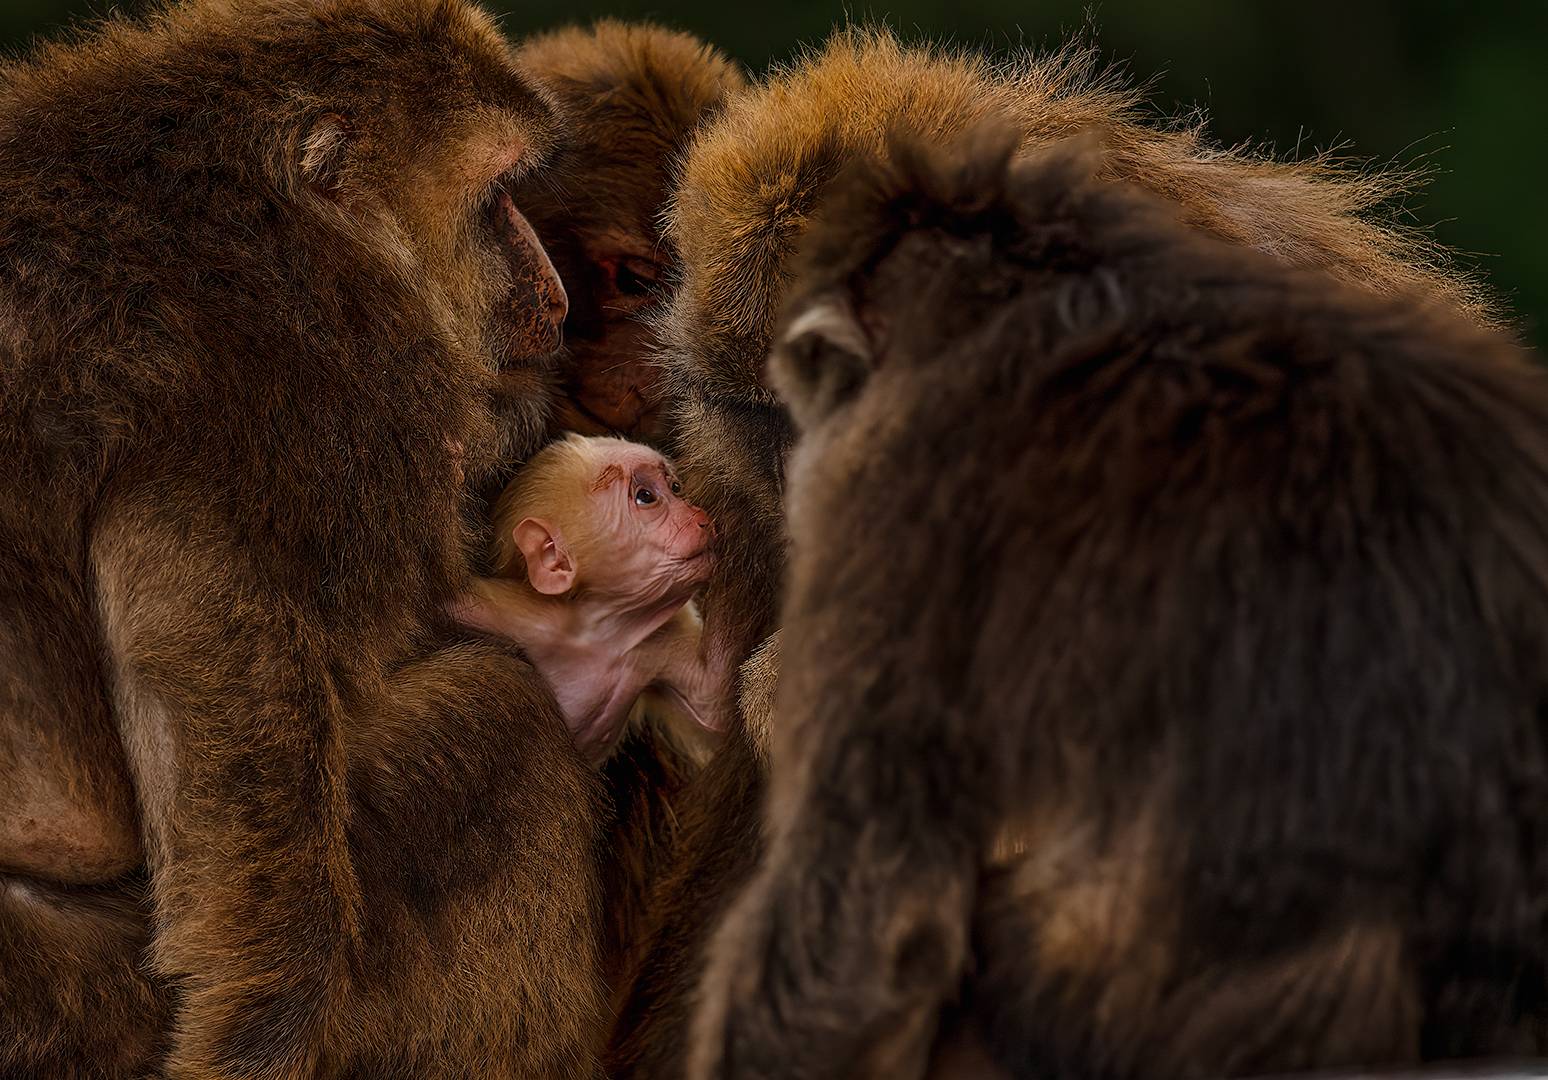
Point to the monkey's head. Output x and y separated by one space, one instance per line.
411 119
910 258
365 151
909 255
750 182
604 520
632 95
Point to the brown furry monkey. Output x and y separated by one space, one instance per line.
1174 694
633 95
260 272
754 176
751 180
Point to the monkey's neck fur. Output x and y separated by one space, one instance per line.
600 654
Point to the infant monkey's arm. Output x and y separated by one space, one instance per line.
688 680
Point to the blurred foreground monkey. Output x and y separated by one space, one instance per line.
1164 653
597 556
632 95
750 182
260 272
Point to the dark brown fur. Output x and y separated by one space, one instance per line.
249 309
1164 653
750 182
632 95
752 179
714 847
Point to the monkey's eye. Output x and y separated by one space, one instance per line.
677 489
644 497
635 277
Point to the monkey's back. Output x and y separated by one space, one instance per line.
1207 601
178 309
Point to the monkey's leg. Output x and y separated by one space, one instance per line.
66 803
356 872
76 1000
836 959
716 849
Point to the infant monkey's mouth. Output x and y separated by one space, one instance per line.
537 304
704 554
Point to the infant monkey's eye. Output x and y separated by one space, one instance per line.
644 497
677 489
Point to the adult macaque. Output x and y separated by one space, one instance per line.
633 95
753 177
1205 738
750 182
260 273
597 557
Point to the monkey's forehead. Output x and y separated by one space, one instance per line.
627 465
646 461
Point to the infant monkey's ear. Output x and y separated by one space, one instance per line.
821 359
550 565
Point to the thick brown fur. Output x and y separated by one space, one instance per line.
632 95
753 178
750 182
1164 652
250 309
713 847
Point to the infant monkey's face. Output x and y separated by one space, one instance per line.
646 536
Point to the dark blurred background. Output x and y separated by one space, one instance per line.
1459 88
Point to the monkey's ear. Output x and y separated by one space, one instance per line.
324 149
550 567
821 359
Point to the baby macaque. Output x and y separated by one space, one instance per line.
597 557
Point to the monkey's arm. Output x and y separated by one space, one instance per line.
837 957
340 842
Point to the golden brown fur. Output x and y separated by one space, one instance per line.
753 178
256 289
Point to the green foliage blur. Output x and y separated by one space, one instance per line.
1460 89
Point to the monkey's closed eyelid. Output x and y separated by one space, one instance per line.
760 411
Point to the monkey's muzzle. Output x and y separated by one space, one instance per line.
537 304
